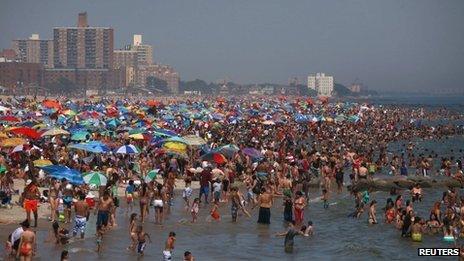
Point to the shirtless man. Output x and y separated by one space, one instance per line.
362 171
265 201
82 215
31 199
416 193
167 253
104 206
27 246
286 185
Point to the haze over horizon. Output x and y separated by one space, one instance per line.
395 45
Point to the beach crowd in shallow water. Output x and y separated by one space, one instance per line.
85 157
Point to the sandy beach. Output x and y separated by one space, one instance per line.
17 214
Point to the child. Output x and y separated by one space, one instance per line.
141 240
325 198
64 255
129 193
195 209
99 238
217 188
61 234
187 193
214 211
60 209
309 231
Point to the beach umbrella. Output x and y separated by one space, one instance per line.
175 146
268 122
12 142
81 136
92 146
228 150
4 109
194 140
252 152
2 169
40 126
216 157
3 135
54 132
127 149
60 172
42 162
153 103
51 104
95 178
26 131
9 118
24 147
136 136
151 175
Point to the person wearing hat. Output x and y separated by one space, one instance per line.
31 196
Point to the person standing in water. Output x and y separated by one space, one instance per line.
298 206
372 213
265 201
289 236
31 197
82 215
27 245
169 247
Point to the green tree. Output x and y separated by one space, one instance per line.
157 84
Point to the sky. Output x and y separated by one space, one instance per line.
389 45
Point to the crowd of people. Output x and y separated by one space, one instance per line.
244 152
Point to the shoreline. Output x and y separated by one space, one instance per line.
17 214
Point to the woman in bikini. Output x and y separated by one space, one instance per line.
133 231
53 197
143 202
158 203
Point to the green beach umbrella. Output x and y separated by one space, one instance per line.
151 175
95 178
81 136
2 169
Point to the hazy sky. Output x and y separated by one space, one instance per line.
388 44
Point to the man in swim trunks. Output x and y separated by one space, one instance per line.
31 196
82 215
265 201
104 206
27 246
416 193
167 253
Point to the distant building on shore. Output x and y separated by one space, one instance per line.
83 47
34 50
323 84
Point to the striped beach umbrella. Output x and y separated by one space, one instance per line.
127 149
151 175
95 178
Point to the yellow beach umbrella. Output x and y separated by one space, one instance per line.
54 132
3 135
175 146
39 126
42 163
137 136
12 142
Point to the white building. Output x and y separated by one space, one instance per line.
321 83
